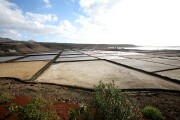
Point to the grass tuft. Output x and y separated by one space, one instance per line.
5 97
153 113
38 109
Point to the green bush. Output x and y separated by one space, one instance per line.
80 114
73 114
111 104
5 97
153 113
38 109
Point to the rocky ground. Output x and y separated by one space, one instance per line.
168 103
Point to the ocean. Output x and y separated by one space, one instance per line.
154 48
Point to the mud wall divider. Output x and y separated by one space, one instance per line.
34 77
146 72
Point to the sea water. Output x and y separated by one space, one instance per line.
155 48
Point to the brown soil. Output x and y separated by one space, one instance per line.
21 70
168 103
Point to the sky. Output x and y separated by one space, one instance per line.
139 22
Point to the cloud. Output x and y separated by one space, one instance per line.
46 1
6 33
41 18
154 22
16 24
48 5
14 19
95 7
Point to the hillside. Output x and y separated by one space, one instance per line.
84 46
9 46
6 40
16 47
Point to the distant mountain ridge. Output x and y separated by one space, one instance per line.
85 46
6 40
32 41
9 46
13 46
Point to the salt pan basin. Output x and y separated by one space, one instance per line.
144 65
86 74
174 74
71 56
35 58
165 61
21 70
75 59
7 58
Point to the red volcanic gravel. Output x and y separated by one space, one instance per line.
18 100
63 108
21 100
60 107
3 110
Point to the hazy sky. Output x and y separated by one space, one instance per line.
140 22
